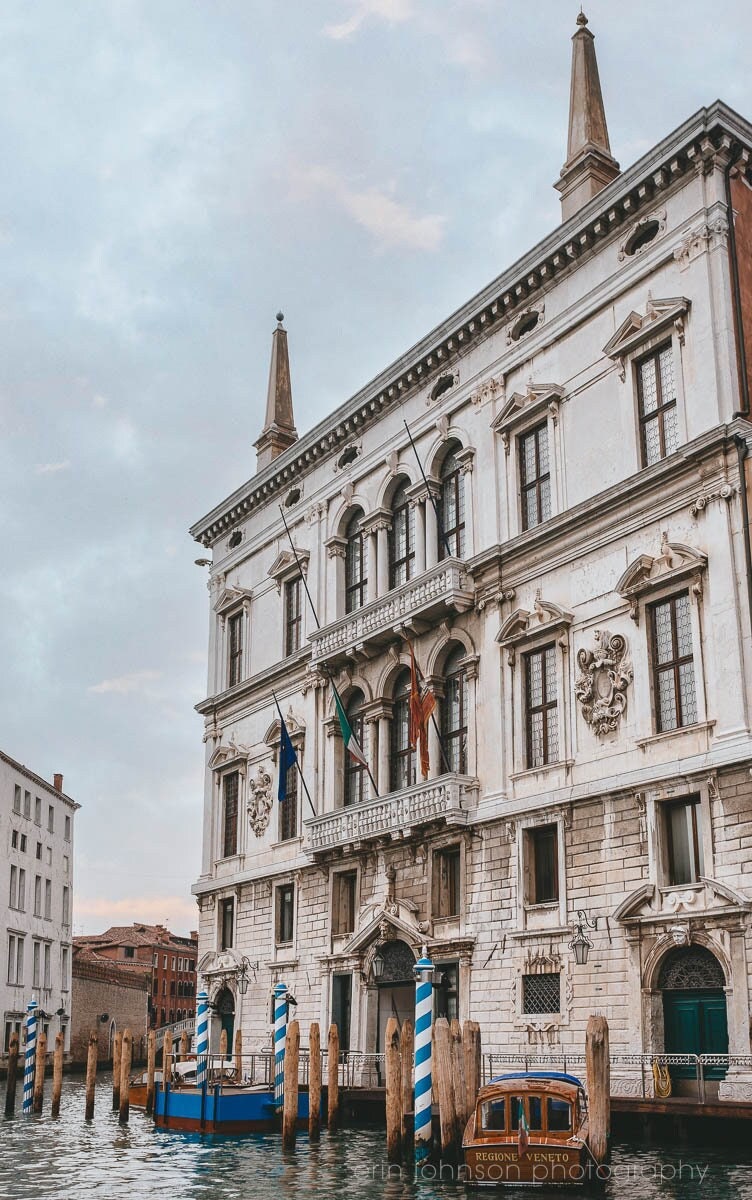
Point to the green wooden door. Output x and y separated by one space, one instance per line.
695 1022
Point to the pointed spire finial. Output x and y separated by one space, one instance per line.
590 164
279 430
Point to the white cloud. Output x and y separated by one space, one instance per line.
99 401
392 223
394 12
52 468
122 685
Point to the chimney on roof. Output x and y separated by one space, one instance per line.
279 430
590 164
194 935
57 782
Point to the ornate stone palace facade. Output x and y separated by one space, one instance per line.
574 576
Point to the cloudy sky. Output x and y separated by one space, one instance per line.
173 172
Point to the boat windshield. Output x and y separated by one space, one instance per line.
534 1112
559 1115
492 1114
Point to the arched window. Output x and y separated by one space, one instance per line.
356 568
452 505
356 776
401 757
401 538
454 712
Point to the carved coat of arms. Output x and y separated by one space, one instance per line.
604 676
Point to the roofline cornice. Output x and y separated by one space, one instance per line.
695 144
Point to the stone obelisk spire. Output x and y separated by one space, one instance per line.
279 430
590 164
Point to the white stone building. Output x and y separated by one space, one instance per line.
36 900
584 622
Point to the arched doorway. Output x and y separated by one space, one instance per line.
225 1008
694 1006
396 986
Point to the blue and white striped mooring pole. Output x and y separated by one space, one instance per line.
424 970
30 1058
202 1036
280 1033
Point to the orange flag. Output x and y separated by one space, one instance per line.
421 708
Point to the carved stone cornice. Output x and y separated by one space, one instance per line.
675 563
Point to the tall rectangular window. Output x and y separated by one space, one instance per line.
48 899
541 711
230 815
293 616
65 969
15 958
17 798
227 923
67 834
51 819
541 993
27 804
22 889
285 913
542 864
446 882
673 663
36 968
13 894
37 811
235 635
47 977
535 477
683 841
343 902
656 394
288 808
37 895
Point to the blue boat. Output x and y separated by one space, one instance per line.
221 1108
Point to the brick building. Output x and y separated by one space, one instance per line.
108 997
575 576
170 959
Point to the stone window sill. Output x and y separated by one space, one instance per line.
530 772
698 727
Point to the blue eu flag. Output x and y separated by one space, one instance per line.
287 759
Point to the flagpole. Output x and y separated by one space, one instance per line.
421 677
318 626
439 522
297 762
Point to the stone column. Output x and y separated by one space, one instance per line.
432 535
435 759
383 735
372 565
465 458
382 558
334 603
420 536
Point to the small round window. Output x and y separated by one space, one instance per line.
526 324
348 456
641 237
292 497
235 539
443 384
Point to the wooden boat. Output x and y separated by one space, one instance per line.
137 1094
222 1105
529 1127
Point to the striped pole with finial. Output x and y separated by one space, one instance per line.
424 969
202 1036
280 1033
30 1057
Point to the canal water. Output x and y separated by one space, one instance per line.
64 1159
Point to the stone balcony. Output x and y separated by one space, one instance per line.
447 798
441 589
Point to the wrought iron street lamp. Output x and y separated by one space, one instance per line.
242 976
377 965
581 944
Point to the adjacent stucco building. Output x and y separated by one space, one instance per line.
574 576
36 899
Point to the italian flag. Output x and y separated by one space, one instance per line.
348 737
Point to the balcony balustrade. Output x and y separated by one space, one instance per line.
444 588
448 797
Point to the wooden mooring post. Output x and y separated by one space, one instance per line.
407 1050
223 1045
238 1055
151 1068
10 1086
39 1069
117 1050
290 1102
91 1075
458 1079
185 1043
473 1063
598 1066
443 1069
166 1060
57 1073
332 1082
125 1077
393 1091
314 1082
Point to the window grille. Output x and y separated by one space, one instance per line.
541 993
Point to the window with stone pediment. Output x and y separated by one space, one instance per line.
293 615
356 563
288 808
541 707
451 505
675 696
284 914
656 398
344 902
235 648
535 476
402 768
230 794
401 537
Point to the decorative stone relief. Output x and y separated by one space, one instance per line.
260 801
722 491
601 686
701 239
657 218
490 389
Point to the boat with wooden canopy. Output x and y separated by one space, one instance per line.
529 1127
